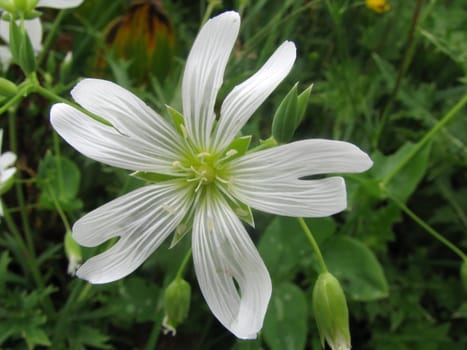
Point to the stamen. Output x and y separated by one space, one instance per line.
184 131
169 209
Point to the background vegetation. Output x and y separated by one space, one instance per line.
394 83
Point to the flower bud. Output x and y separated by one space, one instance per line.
289 114
378 6
21 48
330 312
464 274
176 304
8 5
7 88
73 253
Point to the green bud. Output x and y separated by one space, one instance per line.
289 114
464 274
330 312
7 5
21 48
65 67
7 88
176 303
73 253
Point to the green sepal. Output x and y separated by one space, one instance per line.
240 145
21 48
290 114
151 177
284 122
302 103
244 212
181 231
177 119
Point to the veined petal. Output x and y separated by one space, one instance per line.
6 174
33 28
107 145
7 159
245 98
142 219
291 197
5 57
204 73
223 252
302 158
127 113
59 4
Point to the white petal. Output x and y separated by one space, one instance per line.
59 4
107 145
142 219
5 57
302 158
7 159
5 30
223 252
204 73
307 198
33 28
128 113
7 174
245 98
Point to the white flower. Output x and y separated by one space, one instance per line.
33 28
210 183
7 171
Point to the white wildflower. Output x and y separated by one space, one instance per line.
210 180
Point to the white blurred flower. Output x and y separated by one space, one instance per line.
33 28
210 183
7 170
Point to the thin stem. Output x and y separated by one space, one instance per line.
406 60
31 254
22 92
212 4
428 136
51 36
428 228
314 244
181 269
55 98
155 331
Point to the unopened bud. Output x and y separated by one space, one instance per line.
73 253
330 312
464 274
7 88
177 298
289 114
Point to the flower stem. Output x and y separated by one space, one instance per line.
428 228
428 136
181 269
314 244
406 60
51 36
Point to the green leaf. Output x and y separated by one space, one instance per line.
285 325
58 179
247 345
356 267
284 247
402 178
36 336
